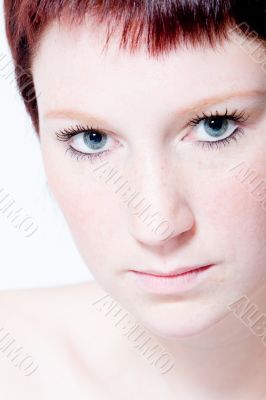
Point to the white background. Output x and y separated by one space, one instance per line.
49 257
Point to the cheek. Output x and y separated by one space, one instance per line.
92 211
234 221
237 214
231 200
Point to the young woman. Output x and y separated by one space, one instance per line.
152 124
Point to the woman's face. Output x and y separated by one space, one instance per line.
147 111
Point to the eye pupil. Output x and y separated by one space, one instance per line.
95 136
94 139
216 126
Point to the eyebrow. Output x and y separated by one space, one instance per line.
79 115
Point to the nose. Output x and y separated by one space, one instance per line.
159 212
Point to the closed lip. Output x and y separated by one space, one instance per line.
173 272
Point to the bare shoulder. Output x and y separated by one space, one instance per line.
46 307
59 318
64 334
43 333
45 326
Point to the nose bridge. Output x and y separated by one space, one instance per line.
160 211
152 176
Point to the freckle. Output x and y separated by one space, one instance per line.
217 279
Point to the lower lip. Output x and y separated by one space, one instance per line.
171 284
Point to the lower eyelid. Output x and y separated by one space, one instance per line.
215 145
210 145
89 156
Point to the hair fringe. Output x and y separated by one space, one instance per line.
159 25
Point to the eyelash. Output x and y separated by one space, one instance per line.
66 134
236 116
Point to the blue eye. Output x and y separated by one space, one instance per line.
216 127
215 130
85 142
90 143
211 129
95 139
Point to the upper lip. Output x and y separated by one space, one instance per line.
173 272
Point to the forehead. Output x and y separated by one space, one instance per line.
71 67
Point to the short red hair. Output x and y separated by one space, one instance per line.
161 24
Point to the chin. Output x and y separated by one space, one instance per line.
173 324
175 331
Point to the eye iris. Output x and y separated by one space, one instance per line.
98 138
216 126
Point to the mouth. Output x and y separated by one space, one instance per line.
179 280
176 272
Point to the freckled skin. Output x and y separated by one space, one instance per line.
214 218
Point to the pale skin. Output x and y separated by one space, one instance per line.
145 105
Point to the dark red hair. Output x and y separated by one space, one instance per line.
159 24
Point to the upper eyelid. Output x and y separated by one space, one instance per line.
237 116
69 133
209 102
